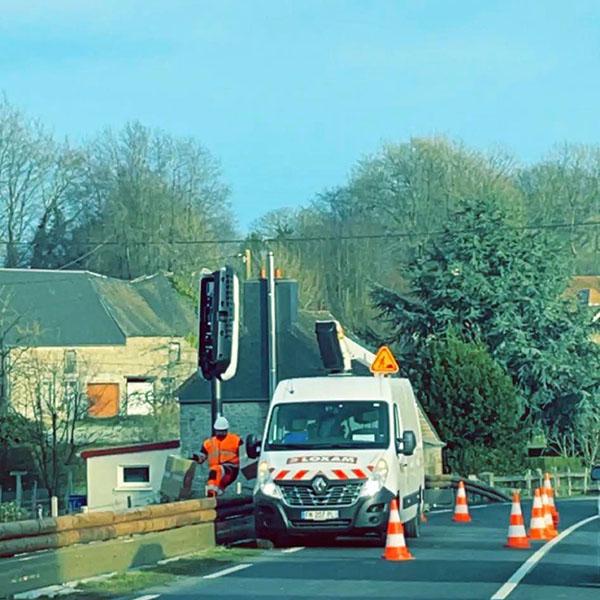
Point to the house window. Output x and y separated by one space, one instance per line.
174 352
103 399
583 296
140 396
71 390
70 361
134 476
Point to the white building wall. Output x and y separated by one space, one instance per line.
107 491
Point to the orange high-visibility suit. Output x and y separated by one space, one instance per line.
223 455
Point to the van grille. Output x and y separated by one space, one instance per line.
339 494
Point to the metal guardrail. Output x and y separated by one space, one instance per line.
477 490
235 520
235 516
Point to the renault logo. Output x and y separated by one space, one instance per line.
319 485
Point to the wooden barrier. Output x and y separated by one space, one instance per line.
565 483
80 561
32 535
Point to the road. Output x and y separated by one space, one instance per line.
452 561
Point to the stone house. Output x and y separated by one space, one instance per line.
245 397
586 288
118 344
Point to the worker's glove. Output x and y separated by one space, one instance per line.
195 458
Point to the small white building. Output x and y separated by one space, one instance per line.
126 476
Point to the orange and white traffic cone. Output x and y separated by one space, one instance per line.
461 509
550 494
395 544
537 527
548 522
517 536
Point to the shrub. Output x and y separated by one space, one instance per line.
9 511
475 407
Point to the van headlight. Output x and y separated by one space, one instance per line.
376 479
265 482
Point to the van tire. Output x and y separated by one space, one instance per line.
412 528
281 540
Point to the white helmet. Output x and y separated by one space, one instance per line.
221 424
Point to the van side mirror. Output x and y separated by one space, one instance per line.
253 446
407 443
596 473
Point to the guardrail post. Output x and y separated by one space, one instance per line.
556 482
585 483
569 482
34 493
528 482
54 506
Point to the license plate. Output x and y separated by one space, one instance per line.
320 515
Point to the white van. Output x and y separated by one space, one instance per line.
335 451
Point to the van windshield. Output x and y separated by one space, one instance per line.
321 425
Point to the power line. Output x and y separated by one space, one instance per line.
317 238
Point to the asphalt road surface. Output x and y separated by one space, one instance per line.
451 561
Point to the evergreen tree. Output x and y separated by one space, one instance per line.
505 286
474 406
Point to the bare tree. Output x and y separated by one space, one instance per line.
54 401
151 198
25 158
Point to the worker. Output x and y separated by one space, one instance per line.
222 451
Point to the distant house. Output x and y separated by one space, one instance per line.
126 476
117 343
586 288
246 396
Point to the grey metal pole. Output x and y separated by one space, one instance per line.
272 325
217 403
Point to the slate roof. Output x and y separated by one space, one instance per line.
80 308
297 356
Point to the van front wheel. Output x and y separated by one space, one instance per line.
412 528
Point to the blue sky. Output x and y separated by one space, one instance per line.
289 94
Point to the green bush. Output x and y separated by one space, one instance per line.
475 407
9 511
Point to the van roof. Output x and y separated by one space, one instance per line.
333 388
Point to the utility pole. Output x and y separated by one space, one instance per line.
248 263
272 325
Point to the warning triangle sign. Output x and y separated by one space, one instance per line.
384 363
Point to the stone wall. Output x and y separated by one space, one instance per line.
138 357
245 417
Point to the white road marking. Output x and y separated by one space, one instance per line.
148 597
25 558
292 550
166 561
532 561
227 571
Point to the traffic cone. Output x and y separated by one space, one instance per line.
395 544
549 524
461 509
550 494
517 536
537 527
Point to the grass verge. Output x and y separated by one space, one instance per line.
130 582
